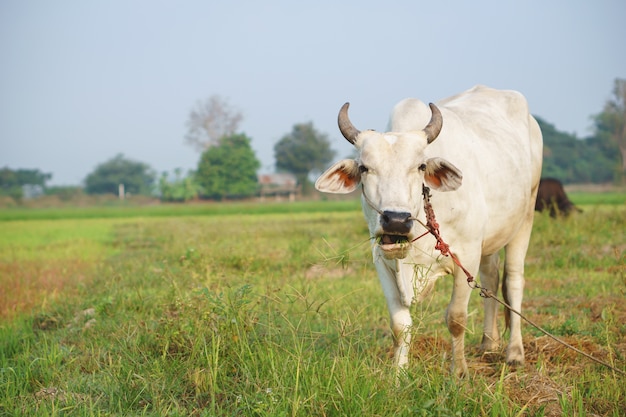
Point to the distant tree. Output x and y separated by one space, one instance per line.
610 125
303 151
137 177
9 184
211 120
179 189
229 168
12 182
32 177
573 160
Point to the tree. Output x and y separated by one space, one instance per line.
180 188
228 169
303 151
211 120
137 177
610 124
573 160
12 182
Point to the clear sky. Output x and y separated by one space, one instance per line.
81 81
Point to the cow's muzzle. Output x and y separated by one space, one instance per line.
394 237
396 223
396 226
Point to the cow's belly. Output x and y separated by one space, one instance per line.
496 238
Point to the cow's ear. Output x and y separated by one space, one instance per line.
441 175
341 178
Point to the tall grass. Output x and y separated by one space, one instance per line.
282 315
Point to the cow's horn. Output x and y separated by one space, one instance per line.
345 125
433 127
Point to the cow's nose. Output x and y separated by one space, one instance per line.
396 222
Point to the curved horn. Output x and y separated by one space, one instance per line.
433 127
345 125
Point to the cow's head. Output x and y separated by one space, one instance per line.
392 169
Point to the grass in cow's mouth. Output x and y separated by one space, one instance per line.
392 239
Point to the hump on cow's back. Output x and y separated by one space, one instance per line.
409 114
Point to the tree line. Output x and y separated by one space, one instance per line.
598 158
227 167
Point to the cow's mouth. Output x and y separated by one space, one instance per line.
394 246
386 240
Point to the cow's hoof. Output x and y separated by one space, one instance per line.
489 345
460 370
491 356
514 363
515 356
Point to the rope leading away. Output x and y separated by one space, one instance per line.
433 227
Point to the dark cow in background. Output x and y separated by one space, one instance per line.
551 196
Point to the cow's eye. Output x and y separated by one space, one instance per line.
422 167
363 169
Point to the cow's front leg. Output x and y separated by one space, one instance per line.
456 319
401 326
399 312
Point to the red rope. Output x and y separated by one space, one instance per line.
433 228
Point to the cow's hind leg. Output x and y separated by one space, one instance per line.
513 290
490 279
456 319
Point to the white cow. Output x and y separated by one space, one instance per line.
490 137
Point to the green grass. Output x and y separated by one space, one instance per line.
53 240
169 210
260 314
595 199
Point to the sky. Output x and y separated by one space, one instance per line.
82 81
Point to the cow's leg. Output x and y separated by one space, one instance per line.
401 326
399 312
490 279
513 290
456 318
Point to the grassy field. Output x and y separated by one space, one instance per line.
275 310
167 210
